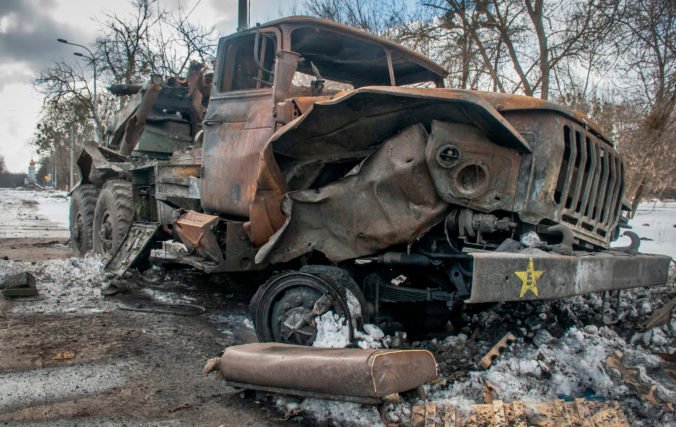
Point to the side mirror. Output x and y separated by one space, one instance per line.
285 68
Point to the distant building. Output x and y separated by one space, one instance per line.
31 178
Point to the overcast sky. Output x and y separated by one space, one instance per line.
28 33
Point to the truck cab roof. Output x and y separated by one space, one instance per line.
346 54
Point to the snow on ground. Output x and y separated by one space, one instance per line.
655 224
34 213
64 285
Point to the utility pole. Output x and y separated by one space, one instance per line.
92 59
72 157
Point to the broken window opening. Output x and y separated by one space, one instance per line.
240 69
357 61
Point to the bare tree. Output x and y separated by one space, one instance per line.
523 43
148 40
379 17
645 40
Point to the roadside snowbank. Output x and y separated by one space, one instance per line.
64 286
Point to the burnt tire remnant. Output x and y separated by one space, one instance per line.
284 309
113 217
81 218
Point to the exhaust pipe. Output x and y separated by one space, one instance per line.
242 15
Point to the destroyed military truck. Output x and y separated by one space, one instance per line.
335 166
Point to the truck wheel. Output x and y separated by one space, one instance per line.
285 307
112 217
82 206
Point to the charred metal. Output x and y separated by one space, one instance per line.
318 148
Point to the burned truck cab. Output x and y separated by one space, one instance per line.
339 158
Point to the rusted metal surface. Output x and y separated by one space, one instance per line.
351 127
196 231
236 130
311 152
330 372
507 102
135 242
387 199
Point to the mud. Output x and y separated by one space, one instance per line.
73 357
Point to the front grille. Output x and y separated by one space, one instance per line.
590 185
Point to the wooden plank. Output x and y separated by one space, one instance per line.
499 418
556 413
418 415
610 416
560 413
449 415
431 414
583 412
498 348
516 414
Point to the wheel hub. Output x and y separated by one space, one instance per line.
292 318
297 325
287 306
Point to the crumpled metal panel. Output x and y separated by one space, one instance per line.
351 126
500 164
138 238
195 230
368 115
534 274
388 199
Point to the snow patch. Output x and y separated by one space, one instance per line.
64 285
332 331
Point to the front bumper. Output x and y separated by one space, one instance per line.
534 274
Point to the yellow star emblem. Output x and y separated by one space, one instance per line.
529 279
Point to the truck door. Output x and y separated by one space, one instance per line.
238 122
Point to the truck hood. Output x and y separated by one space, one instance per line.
501 102
386 109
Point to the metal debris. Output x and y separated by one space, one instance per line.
661 316
354 375
19 285
632 377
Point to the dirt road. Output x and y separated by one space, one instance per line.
73 357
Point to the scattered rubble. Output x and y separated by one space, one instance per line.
560 352
498 348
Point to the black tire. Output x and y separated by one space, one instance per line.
293 294
113 217
82 207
